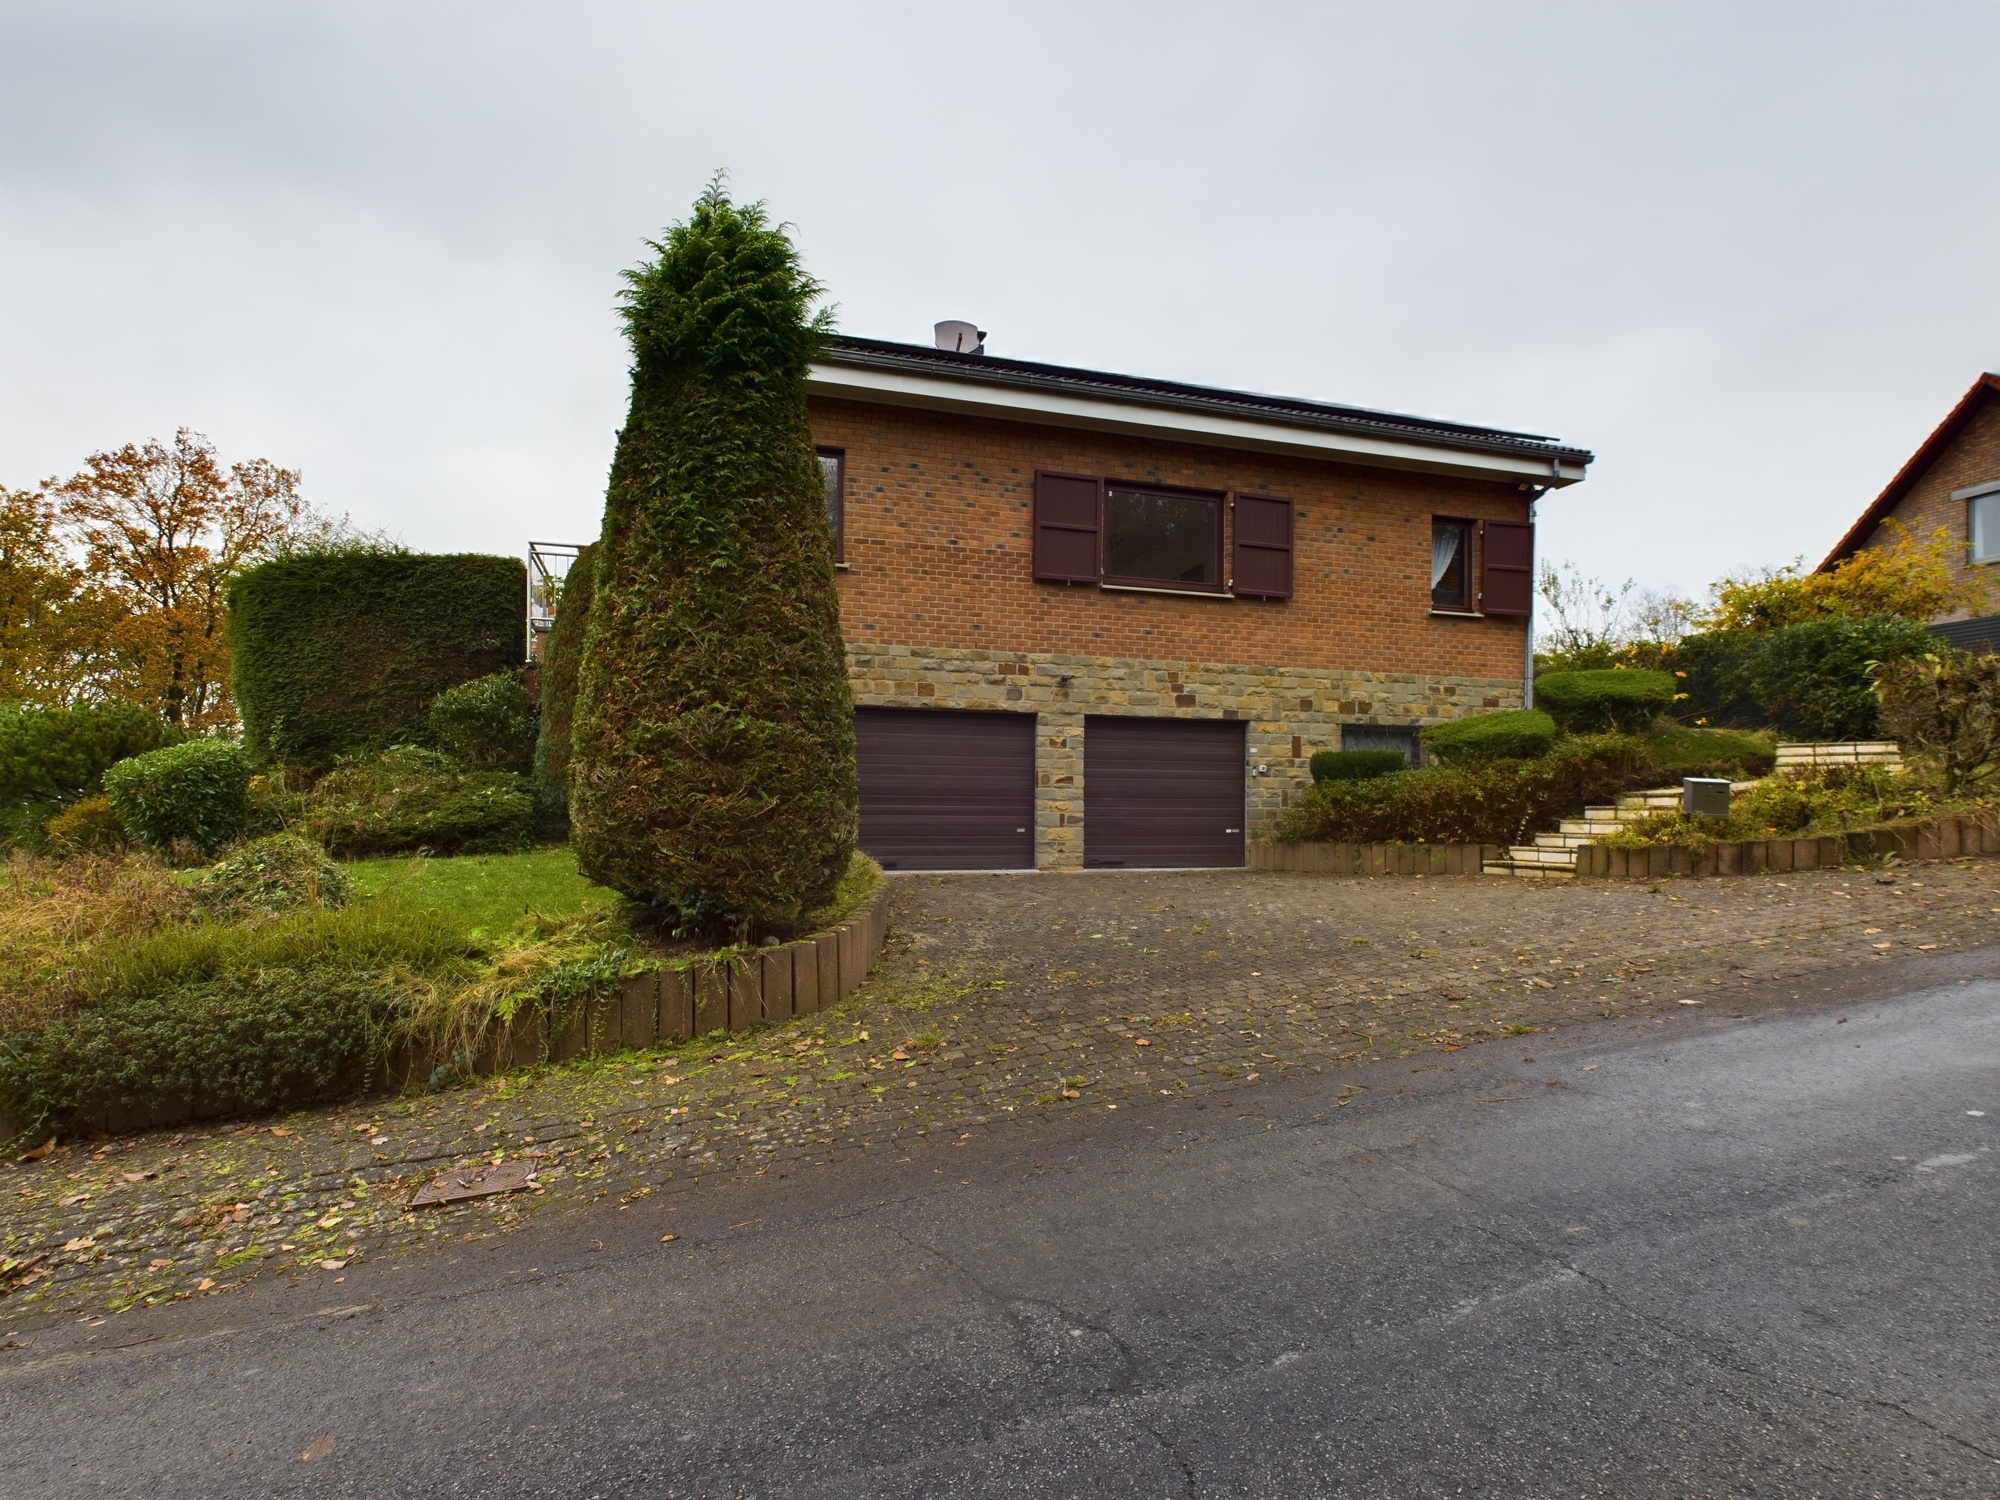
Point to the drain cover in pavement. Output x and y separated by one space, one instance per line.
474 1182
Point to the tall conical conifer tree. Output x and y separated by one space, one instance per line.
712 770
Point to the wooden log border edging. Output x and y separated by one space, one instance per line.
1373 859
1940 838
765 984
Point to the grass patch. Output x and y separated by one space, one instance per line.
1685 751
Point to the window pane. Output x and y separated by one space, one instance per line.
829 476
1451 564
1160 538
1984 527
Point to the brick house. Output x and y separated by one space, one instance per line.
1094 620
1952 481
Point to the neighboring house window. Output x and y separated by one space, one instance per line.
832 465
1982 526
1451 565
1164 539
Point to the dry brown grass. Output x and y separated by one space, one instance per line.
54 913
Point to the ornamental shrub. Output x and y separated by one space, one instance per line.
1512 734
561 653
196 792
489 723
271 875
1813 678
51 758
1476 802
1356 765
712 772
1946 708
1617 699
409 798
91 826
332 653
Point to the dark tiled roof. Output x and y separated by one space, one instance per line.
1984 389
984 369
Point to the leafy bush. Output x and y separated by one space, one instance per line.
1738 754
561 654
1513 734
712 773
343 652
197 791
409 798
245 1043
53 757
1814 678
488 723
1595 702
1356 765
91 826
1809 804
1946 708
1480 802
273 874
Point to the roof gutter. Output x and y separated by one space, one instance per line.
1192 421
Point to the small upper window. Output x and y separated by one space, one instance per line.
1451 565
831 465
1162 539
1982 526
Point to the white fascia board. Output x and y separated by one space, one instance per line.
894 388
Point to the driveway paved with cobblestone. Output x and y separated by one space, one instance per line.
1002 1001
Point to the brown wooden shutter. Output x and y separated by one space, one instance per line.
1507 582
1066 512
1263 563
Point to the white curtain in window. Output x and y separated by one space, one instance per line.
1444 547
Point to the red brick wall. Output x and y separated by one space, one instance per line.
939 537
1973 457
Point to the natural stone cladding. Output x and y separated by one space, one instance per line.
1289 712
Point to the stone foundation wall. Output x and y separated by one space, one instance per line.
1289 713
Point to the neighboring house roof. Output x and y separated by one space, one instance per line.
1984 389
1017 390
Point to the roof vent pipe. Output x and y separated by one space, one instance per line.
958 337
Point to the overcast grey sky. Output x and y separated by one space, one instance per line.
1744 252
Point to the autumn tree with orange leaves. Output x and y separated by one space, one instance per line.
114 580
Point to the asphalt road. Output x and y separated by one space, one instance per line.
1700 1257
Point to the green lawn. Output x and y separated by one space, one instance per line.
481 894
1679 748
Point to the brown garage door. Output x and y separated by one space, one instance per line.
1162 792
942 790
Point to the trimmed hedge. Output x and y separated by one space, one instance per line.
1482 802
52 758
197 791
712 771
338 652
490 723
1512 734
561 653
1356 765
243 1044
410 798
1618 699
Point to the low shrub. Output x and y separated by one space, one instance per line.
489 723
91 826
196 792
273 874
1811 804
1480 802
51 758
1946 708
1625 701
1356 765
408 798
1512 734
1738 754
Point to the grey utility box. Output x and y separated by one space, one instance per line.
1704 797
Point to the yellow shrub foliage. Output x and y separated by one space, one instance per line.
1908 578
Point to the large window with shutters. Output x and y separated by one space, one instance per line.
1123 536
1451 565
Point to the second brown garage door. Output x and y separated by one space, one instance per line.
945 790
1162 793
